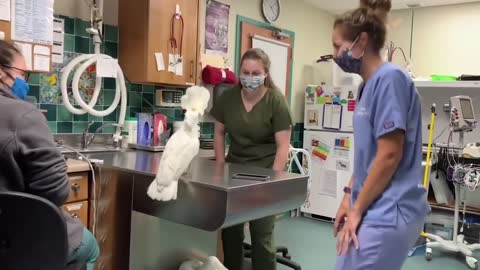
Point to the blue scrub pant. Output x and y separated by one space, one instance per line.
381 247
87 252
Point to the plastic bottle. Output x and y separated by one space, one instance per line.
131 128
125 139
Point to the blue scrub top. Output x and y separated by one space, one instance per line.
389 101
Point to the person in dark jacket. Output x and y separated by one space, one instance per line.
31 163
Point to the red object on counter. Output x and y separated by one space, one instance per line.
157 118
212 75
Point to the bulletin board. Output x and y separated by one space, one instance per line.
29 25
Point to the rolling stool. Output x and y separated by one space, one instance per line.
284 259
33 234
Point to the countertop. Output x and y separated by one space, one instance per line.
75 165
203 170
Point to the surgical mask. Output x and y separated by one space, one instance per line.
20 88
347 62
252 83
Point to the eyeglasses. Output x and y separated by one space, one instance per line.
26 73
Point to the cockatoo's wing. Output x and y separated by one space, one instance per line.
179 152
182 147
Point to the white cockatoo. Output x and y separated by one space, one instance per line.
211 263
182 147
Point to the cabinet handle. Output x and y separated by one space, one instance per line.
75 216
76 187
192 67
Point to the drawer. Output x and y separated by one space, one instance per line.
78 187
78 210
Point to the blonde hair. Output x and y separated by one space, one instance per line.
370 18
259 54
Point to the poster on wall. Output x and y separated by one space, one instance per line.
216 28
32 21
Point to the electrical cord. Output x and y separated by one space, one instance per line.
440 135
94 199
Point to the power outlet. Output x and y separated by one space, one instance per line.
446 107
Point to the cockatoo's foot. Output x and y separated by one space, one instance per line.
213 263
190 265
170 192
163 193
153 192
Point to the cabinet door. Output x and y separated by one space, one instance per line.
161 13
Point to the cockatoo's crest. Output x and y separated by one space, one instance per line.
196 99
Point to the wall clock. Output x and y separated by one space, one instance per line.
271 10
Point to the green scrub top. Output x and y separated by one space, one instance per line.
252 134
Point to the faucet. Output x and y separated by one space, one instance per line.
87 140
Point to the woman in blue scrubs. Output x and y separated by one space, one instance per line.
384 207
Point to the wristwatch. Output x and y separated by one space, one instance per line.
347 190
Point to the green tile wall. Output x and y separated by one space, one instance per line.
46 90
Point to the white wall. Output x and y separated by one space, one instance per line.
445 39
399 31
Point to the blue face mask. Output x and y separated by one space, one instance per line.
347 62
20 88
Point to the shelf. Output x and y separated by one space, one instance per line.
454 84
470 210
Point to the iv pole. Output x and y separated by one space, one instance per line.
457 244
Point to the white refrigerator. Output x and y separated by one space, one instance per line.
328 136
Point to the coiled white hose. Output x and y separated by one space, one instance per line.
120 95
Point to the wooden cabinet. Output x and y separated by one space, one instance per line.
77 204
78 210
78 187
145 30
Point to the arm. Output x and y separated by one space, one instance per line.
389 155
342 210
219 142
346 196
44 168
282 128
282 139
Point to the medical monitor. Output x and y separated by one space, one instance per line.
465 114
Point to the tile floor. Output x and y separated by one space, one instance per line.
311 244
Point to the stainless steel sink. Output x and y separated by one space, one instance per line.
91 149
67 143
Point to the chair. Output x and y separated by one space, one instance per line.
33 234
284 259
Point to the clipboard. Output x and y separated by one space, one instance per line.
332 116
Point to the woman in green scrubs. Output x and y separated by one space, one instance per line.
256 117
